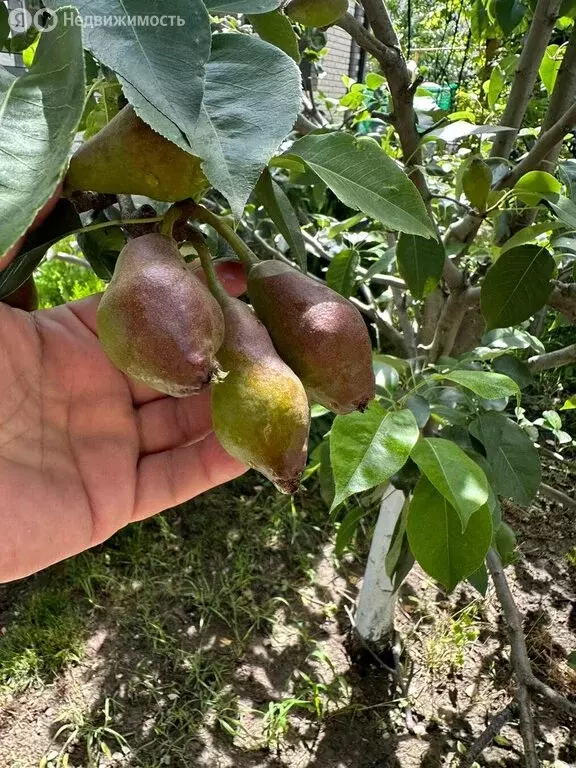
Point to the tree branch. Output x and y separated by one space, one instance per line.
485 739
547 141
563 299
381 23
519 653
557 496
451 320
533 51
556 359
563 95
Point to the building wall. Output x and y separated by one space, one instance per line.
343 57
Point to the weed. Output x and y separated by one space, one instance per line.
452 636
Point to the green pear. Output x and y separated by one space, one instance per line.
260 410
129 157
318 333
316 13
157 322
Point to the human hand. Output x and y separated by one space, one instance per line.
84 451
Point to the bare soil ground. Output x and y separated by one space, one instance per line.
219 636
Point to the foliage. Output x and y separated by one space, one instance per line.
437 196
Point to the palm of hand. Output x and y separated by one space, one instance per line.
83 451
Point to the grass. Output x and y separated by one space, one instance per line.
181 598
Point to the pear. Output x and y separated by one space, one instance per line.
316 13
129 157
157 322
318 333
260 410
25 298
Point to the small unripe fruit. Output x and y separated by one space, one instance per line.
316 13
476 182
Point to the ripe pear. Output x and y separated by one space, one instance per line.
260 410
318 333
316 13
129 157
157 322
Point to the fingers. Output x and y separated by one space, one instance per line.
172 477
172 423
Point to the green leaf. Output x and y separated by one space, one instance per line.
277 205
453 474
461 129
570 404
363 177
479 580
420 263
241 126
102 247
495 86
508 14
485 384
276 28
514 368
535 185
348 528
367 449
572 660
505 543
163 67
529 234
60 223
436 538
550 66
40 112
242 6
341 274
513 460
563 207
516 286
373 80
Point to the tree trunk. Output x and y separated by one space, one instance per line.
375 614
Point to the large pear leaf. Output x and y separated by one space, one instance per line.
516 286
39 115
437 541
454 474
164 64
242 6
362 175
366 449
513 460
420 263
252 99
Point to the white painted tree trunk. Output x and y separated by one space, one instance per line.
375 613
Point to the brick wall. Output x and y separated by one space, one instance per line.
337 62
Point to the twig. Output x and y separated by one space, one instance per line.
485 739
519 653
557 359
68 259
450 321
557 496
526 727
400 302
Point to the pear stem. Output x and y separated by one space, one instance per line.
214 284
170 218
244 253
